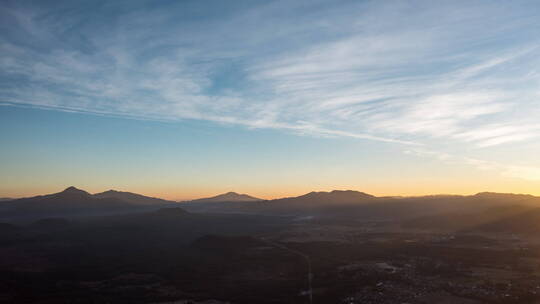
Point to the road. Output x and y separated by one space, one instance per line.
304 256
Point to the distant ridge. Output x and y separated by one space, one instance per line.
70 193
332 197
132 198
290 205
503 195
356 205
76 202
227 197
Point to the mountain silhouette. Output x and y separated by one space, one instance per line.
76 202
332 197
444 211
290 205
228 197
359 205
132 198
70 193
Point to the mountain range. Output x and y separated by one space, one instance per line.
73 201
76 202
440 211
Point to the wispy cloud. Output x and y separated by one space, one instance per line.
530 173
416 74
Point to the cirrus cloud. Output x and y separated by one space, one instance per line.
415 74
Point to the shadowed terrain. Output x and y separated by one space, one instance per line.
107 248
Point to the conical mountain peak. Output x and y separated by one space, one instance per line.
74 190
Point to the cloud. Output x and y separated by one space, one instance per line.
496 134
529 173
440 115
416 74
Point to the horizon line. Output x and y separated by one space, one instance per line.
281 197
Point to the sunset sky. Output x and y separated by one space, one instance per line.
186 99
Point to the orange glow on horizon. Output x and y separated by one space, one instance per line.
281 192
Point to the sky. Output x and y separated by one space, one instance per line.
186 99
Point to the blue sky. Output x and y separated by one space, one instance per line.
448 87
